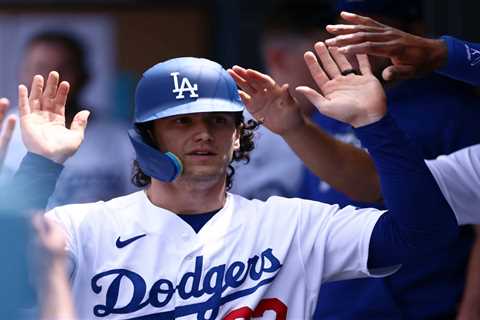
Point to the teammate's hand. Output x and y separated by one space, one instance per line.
355 99
268 102
42 119
6 134
51 239
410 55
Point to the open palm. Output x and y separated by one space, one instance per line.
42 119
268 102
357 99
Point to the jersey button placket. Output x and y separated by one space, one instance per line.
189 247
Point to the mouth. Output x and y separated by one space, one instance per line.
201 153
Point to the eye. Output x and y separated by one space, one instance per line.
182 120
219 119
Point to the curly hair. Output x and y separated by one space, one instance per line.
247 128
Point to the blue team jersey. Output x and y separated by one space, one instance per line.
441 116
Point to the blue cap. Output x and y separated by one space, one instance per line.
185 85
406 10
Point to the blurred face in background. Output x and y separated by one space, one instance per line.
41 57
283 56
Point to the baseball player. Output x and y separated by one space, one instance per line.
187 248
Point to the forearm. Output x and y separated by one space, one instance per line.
463 62
32 184
345 167
419 220
56 301
470 304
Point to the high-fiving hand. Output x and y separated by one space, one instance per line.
410 55
346 95
42 119
268 102
6 134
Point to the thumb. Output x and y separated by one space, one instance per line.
79 122
288 95
313 96
398 72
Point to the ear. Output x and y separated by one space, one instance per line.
236 143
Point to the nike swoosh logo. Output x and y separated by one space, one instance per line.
120 244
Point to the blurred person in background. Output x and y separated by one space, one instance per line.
49 143
274 169
438 113
99 170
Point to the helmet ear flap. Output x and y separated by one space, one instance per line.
161 166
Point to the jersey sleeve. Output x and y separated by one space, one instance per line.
419 220
463 62
458 176
336 241
32 184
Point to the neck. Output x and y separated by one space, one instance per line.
184 196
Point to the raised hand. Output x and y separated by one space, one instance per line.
6 134
346 95
42 119
268 102
410 55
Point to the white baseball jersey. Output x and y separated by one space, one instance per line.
458 176
134 260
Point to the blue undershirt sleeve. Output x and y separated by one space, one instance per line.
463 62
32 184
419 219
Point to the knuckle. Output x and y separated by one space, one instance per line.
368 44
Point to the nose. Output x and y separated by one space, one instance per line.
203 131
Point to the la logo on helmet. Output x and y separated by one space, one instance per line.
185 86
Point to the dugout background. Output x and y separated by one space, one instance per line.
129 36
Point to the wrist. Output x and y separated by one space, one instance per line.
295 129
439 53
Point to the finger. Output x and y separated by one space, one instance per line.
51 86
241 71
345 29
285 89
37 87
79 122
241 82
364 64
23 102
259 81
61 98
4 104
399 72
381 49
318 75
313 96
342 62
359 37
6 137
246 99
327 61
358 19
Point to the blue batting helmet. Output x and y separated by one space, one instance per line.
174 87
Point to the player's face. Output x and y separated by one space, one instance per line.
204 142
